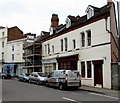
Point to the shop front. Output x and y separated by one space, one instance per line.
67 63
49 65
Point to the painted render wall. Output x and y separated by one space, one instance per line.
3 39
18 51
99 36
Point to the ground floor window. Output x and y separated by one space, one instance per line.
89 73
67 65
83 69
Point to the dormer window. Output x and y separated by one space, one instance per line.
51 30
68 22
90 12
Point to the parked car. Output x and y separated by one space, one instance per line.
37 77
24 77
63 79
5 76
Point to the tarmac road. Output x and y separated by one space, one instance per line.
13 90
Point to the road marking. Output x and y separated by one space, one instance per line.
104 95
71 100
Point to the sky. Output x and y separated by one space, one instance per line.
35 15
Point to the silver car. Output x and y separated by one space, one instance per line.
24 77
63 79
37 77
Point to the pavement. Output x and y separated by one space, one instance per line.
103 91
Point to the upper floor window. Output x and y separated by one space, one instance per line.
48 48
61 44
68 22
12 48
12 56
66 46
83 39
52 49
89 38
74 44
90 12
45 49
3 34
2 44
2 55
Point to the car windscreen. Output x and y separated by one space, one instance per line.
42 74
27 74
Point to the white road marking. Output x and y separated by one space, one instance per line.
104 95
71 100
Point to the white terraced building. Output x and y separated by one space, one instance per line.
88 44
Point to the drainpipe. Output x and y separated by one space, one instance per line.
110 33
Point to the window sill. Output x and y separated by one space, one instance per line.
86 78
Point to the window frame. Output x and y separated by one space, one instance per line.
61 44
83 76
89 69
74 44
13 57
66 44
82 39
88 38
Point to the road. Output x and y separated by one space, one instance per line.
13 90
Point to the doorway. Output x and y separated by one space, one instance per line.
98 74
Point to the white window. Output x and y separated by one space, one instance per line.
74 44
89 38
68 23
12 48
45 49
2 55
83 39
61 44
2 44
13 57
52 49
3 34
66 46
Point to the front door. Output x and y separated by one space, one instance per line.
98 77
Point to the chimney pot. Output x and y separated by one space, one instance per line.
54 21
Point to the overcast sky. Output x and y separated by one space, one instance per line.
35 15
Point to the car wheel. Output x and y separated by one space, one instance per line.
61 86
47 84
23 80
37 82
29 81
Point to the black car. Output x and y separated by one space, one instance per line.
5 76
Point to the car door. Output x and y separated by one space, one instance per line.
35 77
51 79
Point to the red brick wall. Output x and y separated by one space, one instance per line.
14 33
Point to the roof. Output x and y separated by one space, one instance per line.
77 21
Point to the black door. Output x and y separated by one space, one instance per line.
98 77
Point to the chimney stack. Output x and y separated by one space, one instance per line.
54 21
109 2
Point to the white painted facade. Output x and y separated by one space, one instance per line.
15 54
3 47
99 35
